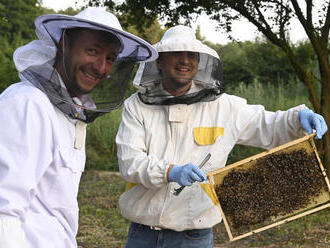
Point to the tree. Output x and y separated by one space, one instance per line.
16 29
272 19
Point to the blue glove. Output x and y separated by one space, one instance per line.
186 175
310 121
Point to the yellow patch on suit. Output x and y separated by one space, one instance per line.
207 135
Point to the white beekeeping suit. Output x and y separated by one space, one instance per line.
159 129
42 135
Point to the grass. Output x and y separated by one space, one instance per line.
102 226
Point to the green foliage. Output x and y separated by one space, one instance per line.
235 63
268 62
16 29
259 60
8 74
17 20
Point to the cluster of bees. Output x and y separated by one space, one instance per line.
278 184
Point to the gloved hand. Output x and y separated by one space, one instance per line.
310 120
186 175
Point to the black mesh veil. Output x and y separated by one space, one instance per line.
105 97
207 84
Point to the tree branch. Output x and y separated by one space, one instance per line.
309 17
326 26
308 26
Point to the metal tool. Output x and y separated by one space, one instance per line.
178 190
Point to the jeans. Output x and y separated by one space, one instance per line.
141 236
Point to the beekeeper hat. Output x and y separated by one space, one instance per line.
182 38
97 18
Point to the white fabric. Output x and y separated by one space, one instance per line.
40 169
11 233
151 137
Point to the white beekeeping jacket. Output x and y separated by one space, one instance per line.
151 137
41 162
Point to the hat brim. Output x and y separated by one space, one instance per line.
132 46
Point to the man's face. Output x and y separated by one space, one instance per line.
87 61
178 68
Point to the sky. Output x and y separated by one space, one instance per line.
242 30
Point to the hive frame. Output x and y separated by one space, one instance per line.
311 209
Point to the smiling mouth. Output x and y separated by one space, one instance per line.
183 72
91 78
183 69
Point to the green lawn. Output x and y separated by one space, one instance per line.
101 225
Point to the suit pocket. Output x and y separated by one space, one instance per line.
207 135
68 167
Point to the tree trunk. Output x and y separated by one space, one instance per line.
325 108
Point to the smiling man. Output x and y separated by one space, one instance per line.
77 70
179 115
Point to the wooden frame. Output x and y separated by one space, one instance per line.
321 202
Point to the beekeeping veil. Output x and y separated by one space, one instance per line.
35 62
207 84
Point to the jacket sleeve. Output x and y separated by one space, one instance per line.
135 164
25 150
254 126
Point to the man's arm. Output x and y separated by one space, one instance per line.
135 163
25 140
